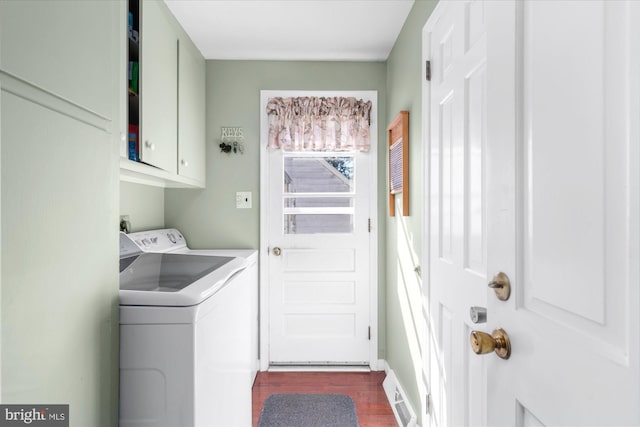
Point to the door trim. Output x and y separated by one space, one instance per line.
265 95
426 209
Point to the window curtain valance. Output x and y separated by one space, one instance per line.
319 123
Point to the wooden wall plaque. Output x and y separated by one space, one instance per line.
398 132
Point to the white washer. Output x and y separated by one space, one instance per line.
188 332
171 240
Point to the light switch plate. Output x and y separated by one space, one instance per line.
243 200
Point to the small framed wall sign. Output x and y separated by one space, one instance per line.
398 132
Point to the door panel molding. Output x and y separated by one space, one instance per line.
568 241
588 116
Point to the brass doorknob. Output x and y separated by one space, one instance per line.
277 251
498 341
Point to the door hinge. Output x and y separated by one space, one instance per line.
428 71
369 225
369 333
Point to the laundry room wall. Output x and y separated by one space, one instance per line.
144 205
405 323
209 218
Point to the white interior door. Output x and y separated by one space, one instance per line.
562 178
455 35
551 194
318 298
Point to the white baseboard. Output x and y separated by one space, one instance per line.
381 365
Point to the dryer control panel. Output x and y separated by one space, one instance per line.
166 240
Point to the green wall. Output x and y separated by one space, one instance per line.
209 218
144 205
405 330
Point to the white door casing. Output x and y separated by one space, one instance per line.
561 164
455 40
319 296
562 179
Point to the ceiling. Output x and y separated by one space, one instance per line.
308 30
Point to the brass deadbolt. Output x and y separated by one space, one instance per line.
501 285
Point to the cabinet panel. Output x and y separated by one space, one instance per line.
191 112
59 51
58 177
159 87
59 119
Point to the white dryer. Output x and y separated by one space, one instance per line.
188 332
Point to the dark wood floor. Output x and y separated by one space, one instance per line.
365 388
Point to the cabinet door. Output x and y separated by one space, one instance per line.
59 49
191 111
158 87
58 73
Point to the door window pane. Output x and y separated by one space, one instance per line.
328 174
318 193
318 223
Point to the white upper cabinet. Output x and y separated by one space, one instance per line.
191 111
159 87
64 60
170 109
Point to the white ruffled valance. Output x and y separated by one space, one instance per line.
319 123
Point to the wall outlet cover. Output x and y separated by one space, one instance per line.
243 200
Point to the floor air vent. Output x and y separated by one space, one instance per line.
397 399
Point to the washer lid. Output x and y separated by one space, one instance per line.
174 279
127 247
